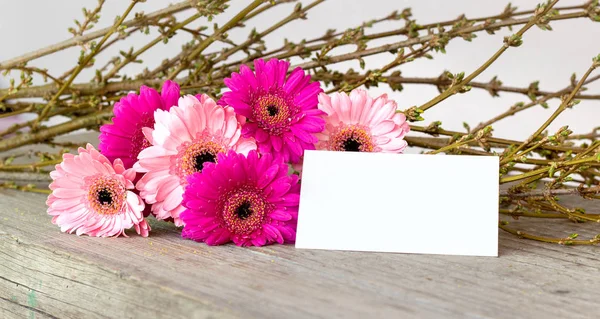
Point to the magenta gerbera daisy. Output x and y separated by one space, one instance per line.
359 123
248 200
94 197
183 139
281 111
124 138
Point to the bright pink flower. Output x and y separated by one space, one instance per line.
248 200
358 123
281 111
124 138
183 139
92 196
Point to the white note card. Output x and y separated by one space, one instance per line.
403 203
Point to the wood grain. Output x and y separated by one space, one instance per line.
47 274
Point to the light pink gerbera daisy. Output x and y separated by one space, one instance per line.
183 139
281 110
358 123
92 196
248 200
124 138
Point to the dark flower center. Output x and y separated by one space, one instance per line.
105 197
351 138
191 156
273 110
243 211
203 158
351 145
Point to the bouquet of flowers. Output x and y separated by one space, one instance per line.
218 168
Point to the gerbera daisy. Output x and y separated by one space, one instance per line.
92 196
124 138
281 111
248 200
358 123
183 139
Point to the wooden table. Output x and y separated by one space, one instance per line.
45 273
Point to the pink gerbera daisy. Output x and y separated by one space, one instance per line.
183 139
358 123
124 138
248 200
92 196
281 111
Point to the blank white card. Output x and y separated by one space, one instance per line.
427 204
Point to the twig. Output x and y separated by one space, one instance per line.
208 41
91 36
545 170
563 106
50 132
424 39
553 192
83 64
546 96
145 48
514 40
561 241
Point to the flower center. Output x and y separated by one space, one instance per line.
352 138
273 113
273 110
106 195
351 145
193 155
243 210
203 158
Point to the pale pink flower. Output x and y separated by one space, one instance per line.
359 123
94 197
183 139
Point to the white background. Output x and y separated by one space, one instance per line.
550 57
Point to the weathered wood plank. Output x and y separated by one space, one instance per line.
166 276
10 308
